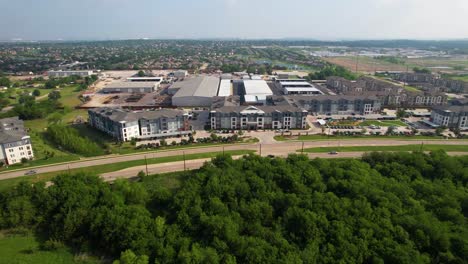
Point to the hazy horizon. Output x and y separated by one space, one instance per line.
335 20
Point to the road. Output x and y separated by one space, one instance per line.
196 164
277 149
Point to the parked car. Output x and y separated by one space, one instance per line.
332 152
31 172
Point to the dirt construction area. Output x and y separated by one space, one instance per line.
365 64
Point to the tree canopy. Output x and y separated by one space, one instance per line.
385 208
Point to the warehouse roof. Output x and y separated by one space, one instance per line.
130 85
204 86
225 88
257 87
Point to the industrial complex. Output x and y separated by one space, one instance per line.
148 107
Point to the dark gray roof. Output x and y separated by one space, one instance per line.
266 108
122 115
11 130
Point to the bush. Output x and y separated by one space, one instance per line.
52 245
70 139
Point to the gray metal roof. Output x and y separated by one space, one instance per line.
122 115
202 86
11 130
266 109
130 85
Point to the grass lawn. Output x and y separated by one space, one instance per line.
99 169
383 123
171 181
448 148
325 137
16 249
411 88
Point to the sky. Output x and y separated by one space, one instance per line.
249 19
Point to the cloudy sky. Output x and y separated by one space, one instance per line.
317 19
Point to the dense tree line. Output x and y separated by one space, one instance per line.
69 138
385 208
332 70
28 108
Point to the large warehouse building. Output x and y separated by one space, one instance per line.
298 87
225 88
256 91
56 74
130 87
193 92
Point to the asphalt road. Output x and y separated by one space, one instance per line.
277 149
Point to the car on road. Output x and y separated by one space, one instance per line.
271 156
31 172
332 152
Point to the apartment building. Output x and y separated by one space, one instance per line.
331 104
124 125
15 144
258 117
389 94
454 115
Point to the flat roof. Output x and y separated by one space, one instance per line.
309 89
257 87
204 86
225 88
144 78
130 85
296 83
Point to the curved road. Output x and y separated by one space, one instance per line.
277 149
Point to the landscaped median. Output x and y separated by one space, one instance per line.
419 147
99 169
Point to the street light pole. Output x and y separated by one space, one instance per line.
146 162
183 154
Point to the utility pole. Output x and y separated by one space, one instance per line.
302 149
223 151
260 149
357 62
183 153
146 162
422 146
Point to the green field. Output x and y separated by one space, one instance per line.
447 148
19 249
383 123
99 169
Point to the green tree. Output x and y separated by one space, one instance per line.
4 81
128 257
141 73
36 92
54 95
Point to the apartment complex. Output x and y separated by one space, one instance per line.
428 81
124 125
453 116
258 117
389 94
15 144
